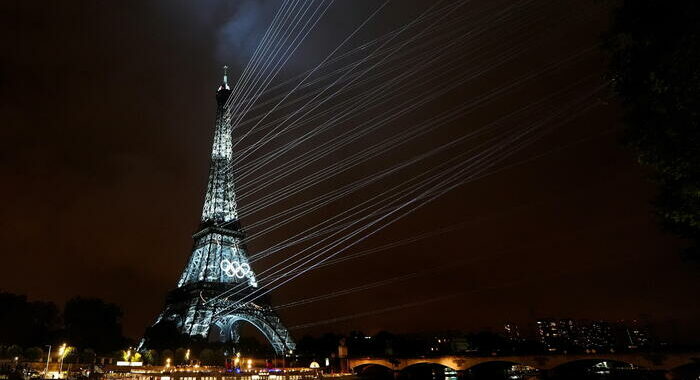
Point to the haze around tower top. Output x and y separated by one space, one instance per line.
238 37
242 24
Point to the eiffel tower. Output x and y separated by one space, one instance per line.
218 273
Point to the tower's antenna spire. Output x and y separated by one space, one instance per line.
224 86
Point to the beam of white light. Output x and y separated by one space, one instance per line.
441 191
443 30
310 73
287 191
266 138
257 86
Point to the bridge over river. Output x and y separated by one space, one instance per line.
651 361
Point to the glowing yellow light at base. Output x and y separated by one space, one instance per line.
62 349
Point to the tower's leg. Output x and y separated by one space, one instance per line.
235 331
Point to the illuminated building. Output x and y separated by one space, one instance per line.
555 335
448 344
512 332
581 335
213 295
596 336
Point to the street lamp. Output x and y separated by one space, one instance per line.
62 354
167 363
48 357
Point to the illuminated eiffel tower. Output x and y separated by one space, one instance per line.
218 273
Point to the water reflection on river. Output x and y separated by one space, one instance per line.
440 373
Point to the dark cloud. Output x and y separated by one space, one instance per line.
238 37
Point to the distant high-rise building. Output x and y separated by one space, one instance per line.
550 334
512 332
637 336
556 335
590 336
448 343
596 336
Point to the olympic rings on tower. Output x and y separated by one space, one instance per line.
234 268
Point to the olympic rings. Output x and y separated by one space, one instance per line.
234 268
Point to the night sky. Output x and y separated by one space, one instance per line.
106 121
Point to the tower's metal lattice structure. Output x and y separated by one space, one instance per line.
219 262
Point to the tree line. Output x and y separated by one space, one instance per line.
654 48
90 325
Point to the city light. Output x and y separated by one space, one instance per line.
62 352
48 358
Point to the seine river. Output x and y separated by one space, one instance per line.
437 374
582 373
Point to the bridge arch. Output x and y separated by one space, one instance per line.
227 328
372 369
428 369
425 362
363 363
494 363
500 369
